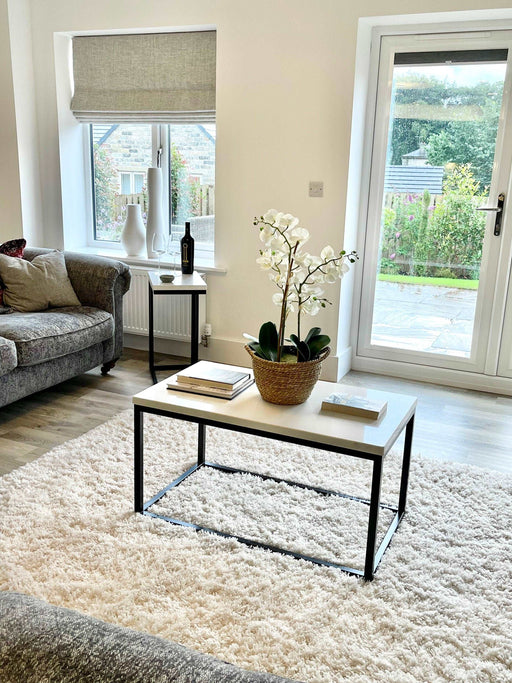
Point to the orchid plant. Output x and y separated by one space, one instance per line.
300 278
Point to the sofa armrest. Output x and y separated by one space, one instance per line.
40 642
99 282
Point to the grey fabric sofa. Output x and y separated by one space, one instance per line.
38 350
41 642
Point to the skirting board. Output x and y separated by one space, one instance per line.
443 376
230 351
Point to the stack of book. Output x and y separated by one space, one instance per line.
212 379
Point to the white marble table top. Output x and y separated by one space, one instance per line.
193 282
306 421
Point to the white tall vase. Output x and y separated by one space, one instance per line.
155 222
133 235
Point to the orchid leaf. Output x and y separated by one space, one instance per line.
269 340
317 344
313 332
303 352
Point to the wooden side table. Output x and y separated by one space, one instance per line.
182 284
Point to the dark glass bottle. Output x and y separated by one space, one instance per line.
187 251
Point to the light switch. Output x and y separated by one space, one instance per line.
316 188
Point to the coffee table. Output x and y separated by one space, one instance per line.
305 425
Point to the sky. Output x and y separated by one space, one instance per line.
464 75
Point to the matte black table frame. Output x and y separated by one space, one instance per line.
373 554
194 329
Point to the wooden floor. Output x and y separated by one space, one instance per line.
466 426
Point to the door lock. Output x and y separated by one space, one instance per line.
499 213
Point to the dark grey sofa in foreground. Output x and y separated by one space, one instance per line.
40 349
41 642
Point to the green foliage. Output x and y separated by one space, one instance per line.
468 141
457 228
441 240
105 192
266 346
448 141
179 194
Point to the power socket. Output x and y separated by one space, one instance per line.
207 330
316 188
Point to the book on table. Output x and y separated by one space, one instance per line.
352 404
217 375
235 380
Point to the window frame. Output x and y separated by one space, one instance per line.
160 140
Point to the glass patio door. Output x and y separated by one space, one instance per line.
438 195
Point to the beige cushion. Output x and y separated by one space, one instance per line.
37 285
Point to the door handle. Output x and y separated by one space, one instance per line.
499 213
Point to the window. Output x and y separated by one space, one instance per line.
132 183
120 156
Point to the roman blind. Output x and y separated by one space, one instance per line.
152 77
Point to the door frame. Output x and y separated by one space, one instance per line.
454 370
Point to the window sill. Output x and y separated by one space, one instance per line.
203 264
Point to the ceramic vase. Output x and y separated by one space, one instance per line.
155 222
133 235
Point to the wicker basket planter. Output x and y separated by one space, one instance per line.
286 383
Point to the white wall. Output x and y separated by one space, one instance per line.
10 195
284 102
20 26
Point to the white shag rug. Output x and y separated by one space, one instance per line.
439 609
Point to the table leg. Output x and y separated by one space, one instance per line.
138 431
194 332
201 443
151 337
373 519
404 483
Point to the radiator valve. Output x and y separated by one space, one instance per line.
207 333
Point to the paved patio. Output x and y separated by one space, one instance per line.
424 318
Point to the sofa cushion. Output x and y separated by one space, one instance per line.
37 285
44 335
8 356
13 248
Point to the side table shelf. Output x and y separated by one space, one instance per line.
194 285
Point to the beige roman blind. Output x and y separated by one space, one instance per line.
157 77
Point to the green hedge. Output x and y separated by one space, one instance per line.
436 239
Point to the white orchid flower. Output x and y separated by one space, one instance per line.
297 234
265 261
311 306
266 235
277 243
302 259
270 216
277 298
327 253
286 221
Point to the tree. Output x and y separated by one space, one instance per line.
105 187
456 231
463 142
470 140
179 193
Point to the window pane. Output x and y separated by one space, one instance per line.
138 182
125 183
120 151
192 178
440 156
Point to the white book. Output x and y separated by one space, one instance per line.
210 374
352 404
173 383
